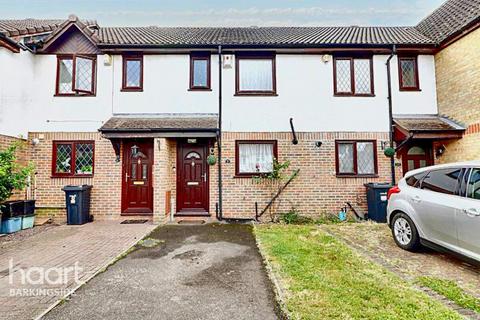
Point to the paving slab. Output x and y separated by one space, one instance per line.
211 271
38 270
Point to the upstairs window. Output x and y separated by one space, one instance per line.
75 75
408 73
255 157
200 71
132 73
255 75
72 158
356 158
353 76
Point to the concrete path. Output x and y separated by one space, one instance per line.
182 272
37 271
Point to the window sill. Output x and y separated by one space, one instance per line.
200 89
73 95
71 176
357 175
410 89
131 90
248 175
256 94
354 95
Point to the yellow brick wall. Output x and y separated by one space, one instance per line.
106 181
458 91
22 158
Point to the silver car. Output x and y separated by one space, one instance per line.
438 207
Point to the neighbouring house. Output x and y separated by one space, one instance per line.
137 112
457 68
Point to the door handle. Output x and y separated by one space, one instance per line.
471 212
416 199
126 176
204 176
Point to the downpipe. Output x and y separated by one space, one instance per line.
390 111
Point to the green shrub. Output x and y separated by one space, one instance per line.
13 176
293 217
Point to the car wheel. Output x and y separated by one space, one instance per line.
404 232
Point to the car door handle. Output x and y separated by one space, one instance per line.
416 199
471 212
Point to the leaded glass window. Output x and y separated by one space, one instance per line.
353 76
75 75
408 73
63 161
84 75
132 73
65 76
365 158
72 158
343 76
363 76
83 158
356 158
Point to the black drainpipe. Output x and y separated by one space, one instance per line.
219 136
390 111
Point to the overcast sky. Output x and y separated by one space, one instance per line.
227 13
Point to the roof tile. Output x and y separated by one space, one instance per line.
450 18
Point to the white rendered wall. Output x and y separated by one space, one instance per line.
304 87
305 92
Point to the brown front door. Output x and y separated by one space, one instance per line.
192 177
416 156
137 189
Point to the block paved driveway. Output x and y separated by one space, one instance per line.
211 271
92 246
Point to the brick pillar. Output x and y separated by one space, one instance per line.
160 179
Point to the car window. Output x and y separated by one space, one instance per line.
414 181
443 181
473 188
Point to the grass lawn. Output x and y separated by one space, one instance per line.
452 291
324 279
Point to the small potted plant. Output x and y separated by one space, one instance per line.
13 176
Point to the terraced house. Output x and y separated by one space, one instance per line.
179 120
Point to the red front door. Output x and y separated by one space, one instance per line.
137 189
416 156
192 177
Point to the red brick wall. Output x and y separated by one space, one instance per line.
315 191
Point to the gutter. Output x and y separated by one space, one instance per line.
390 112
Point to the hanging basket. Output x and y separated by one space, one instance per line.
211 160
389 152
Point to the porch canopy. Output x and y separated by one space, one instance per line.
426 127
160 126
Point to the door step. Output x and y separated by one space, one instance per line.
189 221
192 214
